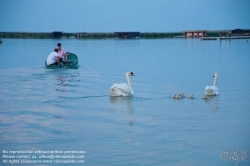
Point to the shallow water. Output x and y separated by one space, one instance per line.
44 109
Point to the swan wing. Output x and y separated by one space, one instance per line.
120 90
211 90
124 87
208 91
215 90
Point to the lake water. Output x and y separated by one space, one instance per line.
70 109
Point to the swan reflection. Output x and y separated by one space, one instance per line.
122 104
212 102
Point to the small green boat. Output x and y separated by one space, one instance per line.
71 63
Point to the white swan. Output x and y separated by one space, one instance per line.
122 89
212 90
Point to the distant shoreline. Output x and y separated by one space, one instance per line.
93 35
124 35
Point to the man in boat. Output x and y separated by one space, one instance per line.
53 58
61 53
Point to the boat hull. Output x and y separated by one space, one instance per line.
71 63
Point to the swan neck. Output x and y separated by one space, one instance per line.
129 83
215 81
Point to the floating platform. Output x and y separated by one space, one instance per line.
235 37
208 38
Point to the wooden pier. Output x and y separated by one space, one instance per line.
235 37
208 38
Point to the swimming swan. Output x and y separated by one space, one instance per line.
191 96
182 95
173 97
122 89
212 90
179 96
205 97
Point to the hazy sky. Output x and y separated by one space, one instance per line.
123 15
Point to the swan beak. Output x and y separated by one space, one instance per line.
132 75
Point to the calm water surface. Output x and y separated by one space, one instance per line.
44 109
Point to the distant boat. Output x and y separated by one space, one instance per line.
71 63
